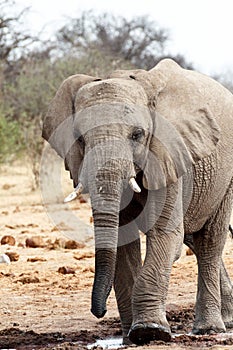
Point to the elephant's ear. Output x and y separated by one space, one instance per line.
185 130
58 123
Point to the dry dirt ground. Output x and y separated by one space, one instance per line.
42 308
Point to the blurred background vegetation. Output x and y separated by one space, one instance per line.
31 70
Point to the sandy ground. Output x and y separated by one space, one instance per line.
42 308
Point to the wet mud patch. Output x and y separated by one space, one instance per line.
15 338
181 321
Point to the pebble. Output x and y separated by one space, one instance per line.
8 240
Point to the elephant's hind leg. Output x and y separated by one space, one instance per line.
226 288
208 244
226 297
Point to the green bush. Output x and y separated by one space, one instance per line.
11 141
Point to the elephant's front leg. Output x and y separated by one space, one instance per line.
150 290
128 267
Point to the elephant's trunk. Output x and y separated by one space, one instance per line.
104 275
105 171
105 207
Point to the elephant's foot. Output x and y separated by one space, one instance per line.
126 340
144 332
218 327
229 324
227 317
227 309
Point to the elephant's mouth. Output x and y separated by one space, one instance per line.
79 189
137 168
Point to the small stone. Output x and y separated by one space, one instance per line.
35 242
16 210
15 324
32 225
5 212
8 240
189 251
55 228
10 226
7 186
28 279
71 244
13 256
66 270
35 259
82 200
58 243
85 255
24 231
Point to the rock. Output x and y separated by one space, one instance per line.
7 186
85 255
66 270
24 231
63 243
10 226
5 212
35 242
71 244
58 243
28 279
189 251
32 225
55 228
13 256
89 269
8 240
82 200
16 210
35 259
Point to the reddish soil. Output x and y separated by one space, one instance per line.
42 308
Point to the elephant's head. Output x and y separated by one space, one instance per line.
109 130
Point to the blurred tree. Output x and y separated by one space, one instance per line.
226 79
12 38
139 40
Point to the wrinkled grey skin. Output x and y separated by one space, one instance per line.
172 130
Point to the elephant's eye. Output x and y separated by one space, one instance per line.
138 134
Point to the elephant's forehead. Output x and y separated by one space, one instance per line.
110 114
111 90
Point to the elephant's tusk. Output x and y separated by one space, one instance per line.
77 191
133 184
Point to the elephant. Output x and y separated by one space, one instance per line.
154 150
